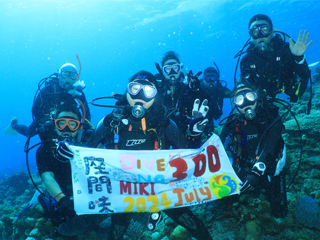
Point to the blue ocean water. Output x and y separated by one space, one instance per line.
115 39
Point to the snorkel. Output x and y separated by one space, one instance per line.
79 101
82 121
78 86
79 67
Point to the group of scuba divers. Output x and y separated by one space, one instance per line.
175 110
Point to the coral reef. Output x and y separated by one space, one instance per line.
179 233
308 212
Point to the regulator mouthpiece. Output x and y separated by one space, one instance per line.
173 81
138 111
250 114
263 47
67 138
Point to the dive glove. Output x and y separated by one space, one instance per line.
198 121
253 177
194 82
66 207
63 153
76 88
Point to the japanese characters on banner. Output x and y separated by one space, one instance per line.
114 181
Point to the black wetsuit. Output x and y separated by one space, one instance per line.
215 103
171 95
46 161
51 96
179 101
241 137
161 132
276 71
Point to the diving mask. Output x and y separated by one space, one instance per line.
176 68
66 74
260 31
149 91
67 124
211 78
245 98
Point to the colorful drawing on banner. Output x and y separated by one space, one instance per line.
223 185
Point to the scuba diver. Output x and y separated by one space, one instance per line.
141 123
54 167
179 93
212 86
253 138
61 87
273 65
171 79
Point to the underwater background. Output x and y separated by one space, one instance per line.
114 40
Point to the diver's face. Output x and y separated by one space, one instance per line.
266 39
210 85
244 109
66 80
141 92
172 74
245 99
132 102
67 132
210 80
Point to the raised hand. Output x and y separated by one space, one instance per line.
194 82
198 121
300 47
63 153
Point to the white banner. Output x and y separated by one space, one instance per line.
114 181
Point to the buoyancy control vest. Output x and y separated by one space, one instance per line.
272 71
245 139
246 143
123 131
